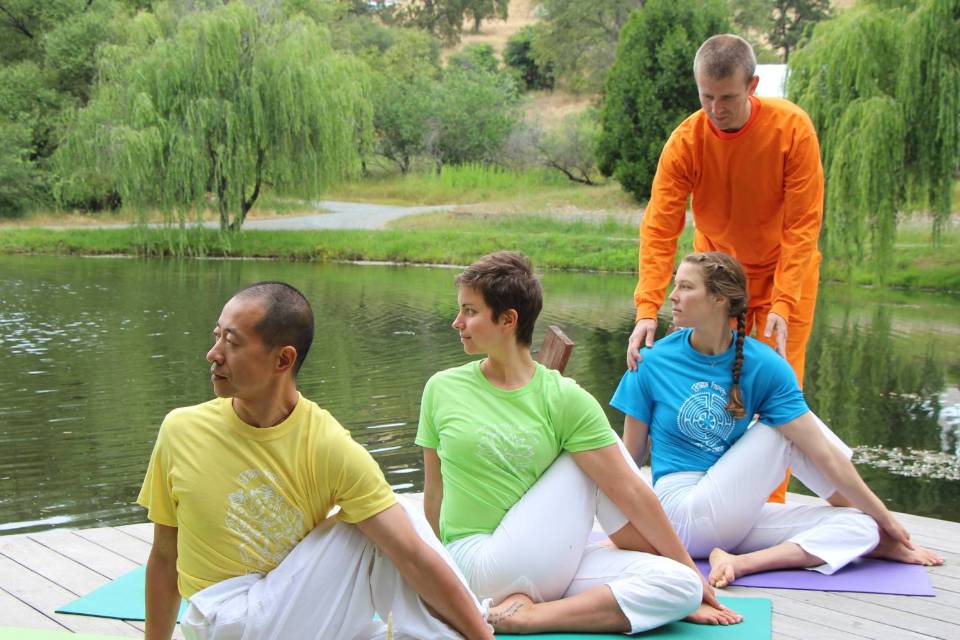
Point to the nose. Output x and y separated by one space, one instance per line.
213 355
458 322
673 295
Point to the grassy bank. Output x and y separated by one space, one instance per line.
551 243
585 243
916 263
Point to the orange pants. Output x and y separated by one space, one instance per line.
799 326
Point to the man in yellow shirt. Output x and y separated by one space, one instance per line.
239 489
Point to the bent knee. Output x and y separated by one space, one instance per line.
677 583
868 527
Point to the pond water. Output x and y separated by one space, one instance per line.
95 351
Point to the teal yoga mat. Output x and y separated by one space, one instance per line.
123 599
17 633
757 625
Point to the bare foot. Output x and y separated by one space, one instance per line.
722 568
890 549
510 615
707 614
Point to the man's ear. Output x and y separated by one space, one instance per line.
286 358
752 85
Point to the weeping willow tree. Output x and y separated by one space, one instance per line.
229 101
929 91
881 88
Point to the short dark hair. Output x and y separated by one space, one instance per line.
720 56
287 317
505 280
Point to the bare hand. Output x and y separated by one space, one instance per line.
709 595
642 336
776 325
897 532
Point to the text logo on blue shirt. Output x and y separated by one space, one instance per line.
704 419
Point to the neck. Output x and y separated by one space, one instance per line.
512 368
713 339
269 411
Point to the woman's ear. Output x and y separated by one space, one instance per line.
509 318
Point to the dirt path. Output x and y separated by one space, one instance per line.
341 215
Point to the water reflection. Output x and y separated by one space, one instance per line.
94 352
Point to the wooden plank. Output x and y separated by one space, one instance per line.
802 619
898 621
45 596
943 583
17 613
54 567
142 530
943 607
90 554
119 542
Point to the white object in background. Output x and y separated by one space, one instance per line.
773 80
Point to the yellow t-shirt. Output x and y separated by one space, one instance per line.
242 497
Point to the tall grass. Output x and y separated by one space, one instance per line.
454 184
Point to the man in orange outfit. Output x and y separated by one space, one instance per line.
753 168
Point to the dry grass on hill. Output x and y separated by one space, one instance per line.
549 107
496 32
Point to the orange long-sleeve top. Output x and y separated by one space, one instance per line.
757 195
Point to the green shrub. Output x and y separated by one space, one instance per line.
650 88
518 55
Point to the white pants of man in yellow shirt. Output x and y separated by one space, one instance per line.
327 588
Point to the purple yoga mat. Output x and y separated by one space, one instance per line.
865 575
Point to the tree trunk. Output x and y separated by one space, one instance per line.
222 202
246 205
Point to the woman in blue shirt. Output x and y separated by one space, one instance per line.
695 394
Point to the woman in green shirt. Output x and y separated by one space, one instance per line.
518 461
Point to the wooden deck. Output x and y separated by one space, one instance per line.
42 571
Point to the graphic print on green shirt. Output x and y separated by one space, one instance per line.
493 444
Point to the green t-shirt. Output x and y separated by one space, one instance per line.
494 444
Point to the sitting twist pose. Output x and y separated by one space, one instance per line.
695 393
519 460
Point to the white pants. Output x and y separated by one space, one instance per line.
541 548
727 506
327 588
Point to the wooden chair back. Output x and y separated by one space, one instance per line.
555 350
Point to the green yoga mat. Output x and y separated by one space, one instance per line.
16 633
123 599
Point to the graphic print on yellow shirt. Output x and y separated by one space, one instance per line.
262 518
242 497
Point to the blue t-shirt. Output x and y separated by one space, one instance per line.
681 394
